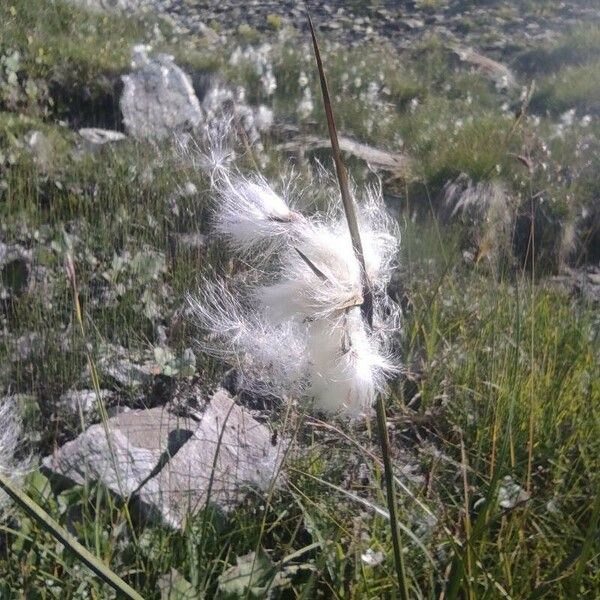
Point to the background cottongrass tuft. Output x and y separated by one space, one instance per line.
292 322
11 441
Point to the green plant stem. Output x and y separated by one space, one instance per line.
72 277
388 473
366 310
64 537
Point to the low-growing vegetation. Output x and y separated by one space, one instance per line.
493 419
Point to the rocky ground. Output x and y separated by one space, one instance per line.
106 119
495 28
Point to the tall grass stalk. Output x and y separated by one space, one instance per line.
367 312
64 537
72 277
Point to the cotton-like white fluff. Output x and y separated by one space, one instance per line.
319 276
320 273
380 237
306 106
273 356
251 216
346 368
11 438
294 319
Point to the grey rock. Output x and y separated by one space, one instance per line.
84 401
244 457
116 365
175 465
413 23
126 373
136 444
96 136
583 282
158 98
511 494
330 26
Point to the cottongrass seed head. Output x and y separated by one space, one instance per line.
292 322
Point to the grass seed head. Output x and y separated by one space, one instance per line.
292 321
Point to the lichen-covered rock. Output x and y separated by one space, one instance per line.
175 465
158 98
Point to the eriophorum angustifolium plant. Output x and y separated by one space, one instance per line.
282 73
499 357
292 321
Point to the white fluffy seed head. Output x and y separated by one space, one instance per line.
346 368
295 323
250 215
380 237
319 276
272 356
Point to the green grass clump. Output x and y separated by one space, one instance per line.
476 146
518 366
500 381
64 58
569 70
575 87
58 36
577 47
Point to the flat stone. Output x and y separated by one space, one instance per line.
245 457
137 440
175 465
98 137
